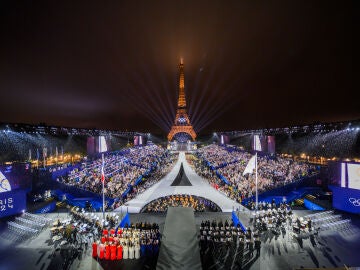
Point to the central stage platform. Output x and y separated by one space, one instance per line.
199 187
179 244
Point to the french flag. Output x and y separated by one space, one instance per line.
102 171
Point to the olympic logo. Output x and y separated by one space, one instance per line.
355 202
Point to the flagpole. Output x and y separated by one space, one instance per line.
103 194
256 183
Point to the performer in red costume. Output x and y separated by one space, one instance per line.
119 252
113 251
107 251
94 249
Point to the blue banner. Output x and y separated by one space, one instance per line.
125 221
346 199
237 221
12 202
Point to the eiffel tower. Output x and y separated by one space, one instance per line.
182 123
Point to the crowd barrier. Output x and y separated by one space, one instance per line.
316 215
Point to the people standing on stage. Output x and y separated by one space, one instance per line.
107 251
251 248
119 252
137 250
101 251
95 249
113 251
257 246
125 251
131 251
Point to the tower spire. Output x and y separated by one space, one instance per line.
182 122
181 100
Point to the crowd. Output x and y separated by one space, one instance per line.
202 169
199 204
215 236
163 168
121 170
272 172
108 241
272 216
59 167
219 156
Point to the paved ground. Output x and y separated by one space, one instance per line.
331 248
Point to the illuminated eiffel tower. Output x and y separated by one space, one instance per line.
182 125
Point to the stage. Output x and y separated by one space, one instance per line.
328 249
199 187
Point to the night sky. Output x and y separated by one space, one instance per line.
114 65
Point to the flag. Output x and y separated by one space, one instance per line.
29 154
250 166
102 172
37 154
56 152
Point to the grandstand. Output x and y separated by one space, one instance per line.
141 182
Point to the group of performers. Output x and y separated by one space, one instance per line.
131 242
273 218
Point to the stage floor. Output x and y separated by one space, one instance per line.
328 249
199 187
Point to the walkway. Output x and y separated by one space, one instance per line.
200 187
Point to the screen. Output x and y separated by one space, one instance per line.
4 183
136 140
353 176
90 145
224 139
346 199
102 144
257 143
343 180
271 144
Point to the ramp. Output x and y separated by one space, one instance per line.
179 244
